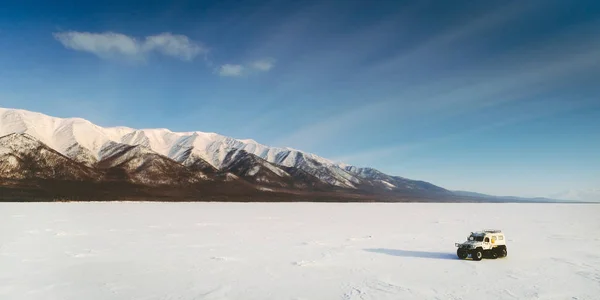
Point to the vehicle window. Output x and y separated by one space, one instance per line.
501 238
479 238
487 240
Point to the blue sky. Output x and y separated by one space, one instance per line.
499 97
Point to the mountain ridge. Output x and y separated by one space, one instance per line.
523 199
62 134
182 165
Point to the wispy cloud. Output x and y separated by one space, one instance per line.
315 133
111 45
367 155
236 70
229 70
118 46
264 64
179 46
509 78
482 23
104 45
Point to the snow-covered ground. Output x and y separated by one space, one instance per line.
294 251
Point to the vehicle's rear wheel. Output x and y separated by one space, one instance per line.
462 254
503 252
494 253
477 255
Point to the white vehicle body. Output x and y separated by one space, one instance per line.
491 243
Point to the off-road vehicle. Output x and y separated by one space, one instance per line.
480 244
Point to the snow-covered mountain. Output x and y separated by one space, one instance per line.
160 156
145 166
382 180
264 173
24 157
85 142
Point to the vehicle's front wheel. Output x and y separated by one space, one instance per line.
503 252
477 255
462 254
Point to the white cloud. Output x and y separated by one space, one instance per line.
231 70
234 70
264 64
179 46
102 44
111 45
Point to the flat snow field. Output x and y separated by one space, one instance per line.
123 250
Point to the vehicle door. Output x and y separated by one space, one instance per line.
486 243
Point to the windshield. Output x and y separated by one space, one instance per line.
476 238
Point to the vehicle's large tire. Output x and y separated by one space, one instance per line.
494 253
462 254
477 254
503 252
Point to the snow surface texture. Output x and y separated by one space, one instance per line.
86 142
294 251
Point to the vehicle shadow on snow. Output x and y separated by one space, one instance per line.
419 254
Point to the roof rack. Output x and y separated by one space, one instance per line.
492 230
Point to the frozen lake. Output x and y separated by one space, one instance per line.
294 251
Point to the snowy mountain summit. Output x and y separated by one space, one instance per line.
160 156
